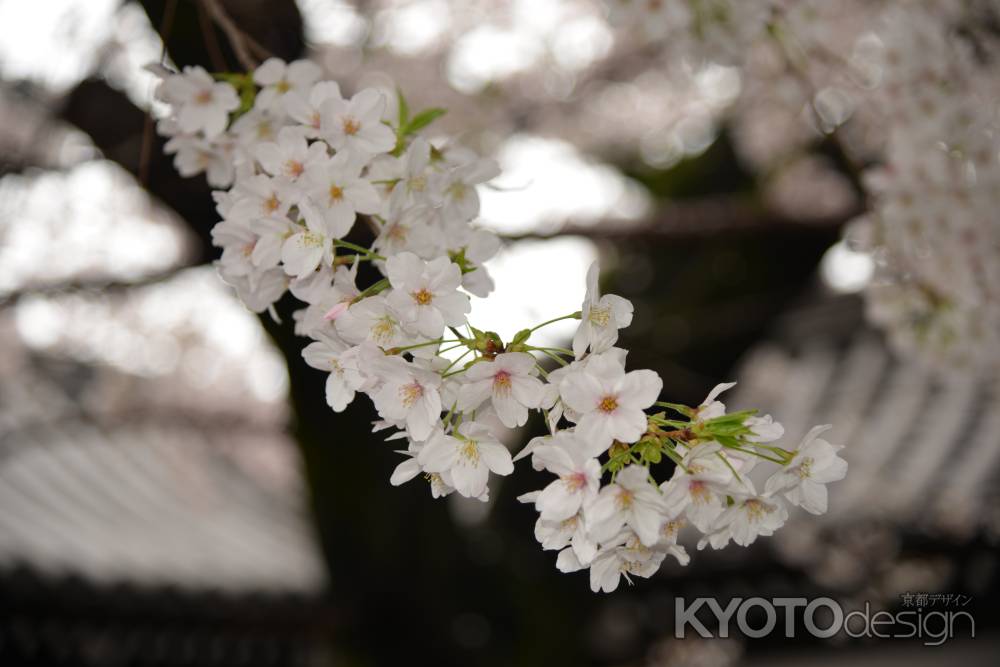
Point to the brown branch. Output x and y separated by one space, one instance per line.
146 148
695 219
211 42
103 285
243 44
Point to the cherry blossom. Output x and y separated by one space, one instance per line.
425 294
468 456
610 402
302 166
803 481
278 79
602 317
509 382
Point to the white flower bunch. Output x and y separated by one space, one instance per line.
302 165
933 227
918 80
715 30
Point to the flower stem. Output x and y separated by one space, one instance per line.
439 341
445 372
571 316
361 249
371 289
545 351
560 350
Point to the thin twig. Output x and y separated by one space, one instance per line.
211 42
146 149
241 42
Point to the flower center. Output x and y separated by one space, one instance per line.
575 481
351 126
383 330
805 468
283 86
470 452
671 528
422 296
311 239
417 184
294 168
501 383
203 97
608 404
625 499
336 193
458 191
271 204
315 120
411 393
599 316
755 509
398 232
699 492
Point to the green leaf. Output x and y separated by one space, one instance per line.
521 336
404 109
727 441
677 407
423 119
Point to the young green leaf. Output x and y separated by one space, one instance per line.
424 118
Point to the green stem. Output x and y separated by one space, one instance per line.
445 372
676 458
439 341
544 351
758 454
451 410
560 350
371 289
361 249
572 316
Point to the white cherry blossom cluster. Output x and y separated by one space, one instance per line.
716 30
910 86
933 227
303 166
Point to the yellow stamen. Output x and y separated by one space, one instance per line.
422 296
311 240
805 468
501 383
383 330
271 204
608 404
351 126
417 184
599 316
574 481
700 493
755 509
625 499
470 452
411 393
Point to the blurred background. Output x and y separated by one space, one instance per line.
174 489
